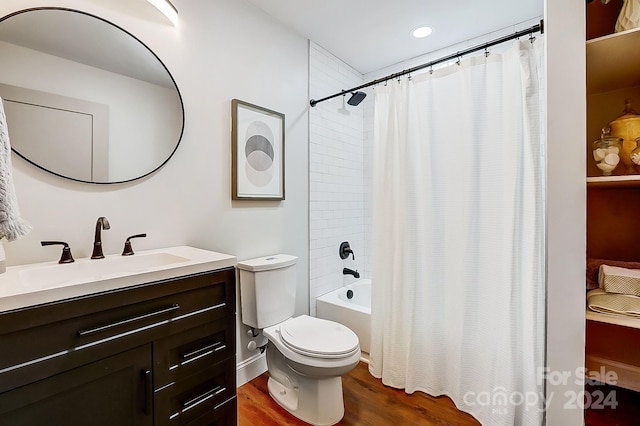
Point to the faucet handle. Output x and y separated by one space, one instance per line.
66 250
345 250
128 250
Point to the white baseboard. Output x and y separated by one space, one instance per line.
250 368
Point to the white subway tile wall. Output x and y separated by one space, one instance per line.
337 183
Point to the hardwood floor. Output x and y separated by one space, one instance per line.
367 402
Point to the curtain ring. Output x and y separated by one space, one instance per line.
458 61
486 52
431 69
531 38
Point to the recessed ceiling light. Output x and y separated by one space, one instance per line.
421 32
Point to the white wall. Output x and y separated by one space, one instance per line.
566 205
189 200
336 175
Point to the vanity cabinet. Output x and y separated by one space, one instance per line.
613 202
161 353
103 392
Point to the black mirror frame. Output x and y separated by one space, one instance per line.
146 47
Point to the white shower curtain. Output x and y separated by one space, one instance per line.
458 235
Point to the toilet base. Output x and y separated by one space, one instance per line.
319 404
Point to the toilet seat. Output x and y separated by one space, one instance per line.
318 338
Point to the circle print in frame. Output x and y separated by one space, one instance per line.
258 152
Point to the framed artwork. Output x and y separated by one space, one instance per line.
257 152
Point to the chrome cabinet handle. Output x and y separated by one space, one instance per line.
168 309
202 398
204 351
148 391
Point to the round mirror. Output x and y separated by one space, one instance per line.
85 99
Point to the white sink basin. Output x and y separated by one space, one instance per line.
38 283
97 269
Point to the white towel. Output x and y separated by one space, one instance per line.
11 224
629 16
619 280
599 300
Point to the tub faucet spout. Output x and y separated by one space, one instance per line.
101 224
347 271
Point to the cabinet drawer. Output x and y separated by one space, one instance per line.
225 414
183 354
112 391
34 353
184 401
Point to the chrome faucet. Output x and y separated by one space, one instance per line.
101 224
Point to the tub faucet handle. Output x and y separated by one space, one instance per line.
345 250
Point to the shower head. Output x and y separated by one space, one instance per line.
356 98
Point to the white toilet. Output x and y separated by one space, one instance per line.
305 356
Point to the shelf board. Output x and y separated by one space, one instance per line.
628 181
613 319
613 61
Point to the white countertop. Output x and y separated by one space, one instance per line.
37 283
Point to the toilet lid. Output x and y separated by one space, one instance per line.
317 337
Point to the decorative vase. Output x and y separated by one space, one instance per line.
606 152
635 154
627 127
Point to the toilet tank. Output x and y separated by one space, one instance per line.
267 289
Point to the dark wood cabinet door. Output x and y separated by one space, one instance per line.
114 391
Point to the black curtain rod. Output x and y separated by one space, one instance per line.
529 31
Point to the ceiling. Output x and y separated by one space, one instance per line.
372 34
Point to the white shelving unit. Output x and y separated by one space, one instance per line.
613 74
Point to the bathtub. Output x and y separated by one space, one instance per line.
355 313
